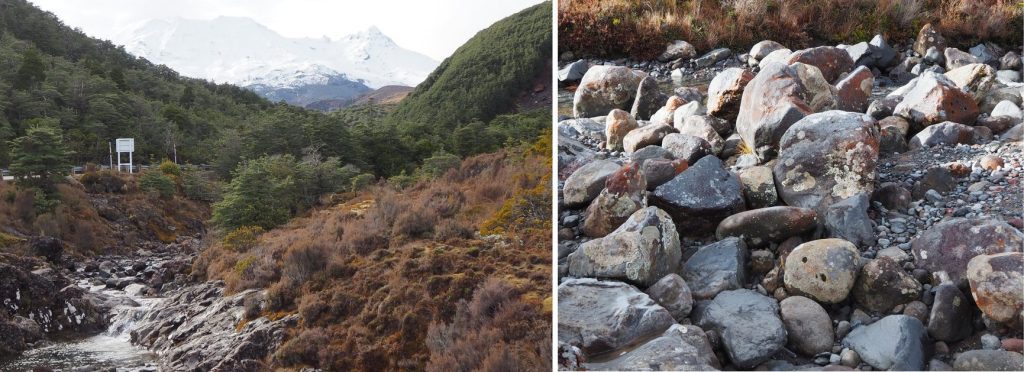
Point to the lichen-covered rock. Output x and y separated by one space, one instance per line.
624 194
601 316
604 88
644 249
759 187
687 147
716 267
725 92
586 183
956 58
947 247
700 197
988 360
882 284
819 94
824 269
997 284
975 78
825 158
758 227
748 324
703 127
929 37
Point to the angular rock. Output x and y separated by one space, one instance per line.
623 195
1010 61
895 342
703 128
716 267
824 270
892 132
848 219
658 171
680 348
831 61
883 107
604 88
672 293
676 50
650 152
882 284
759 227
649 98
1007 108
748 324
573 71
825 158
808 325
617 124
771 103
975 79
854 90
687 147
651 134
949 134
956 58
997 284
819 94
666 113
758 187
586 183
601 316
725 92
946 248
882 54
951 317
701 197
644 249
929 37
933 99
712 57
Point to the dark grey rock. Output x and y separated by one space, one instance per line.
701 197
649 98
601 316
895 342
717 267
848 219
989 360
680 348
951 317
672 293
749 324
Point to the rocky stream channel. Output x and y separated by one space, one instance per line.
850 207
140 312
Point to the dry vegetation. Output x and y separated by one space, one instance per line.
641 28
97 213
386 279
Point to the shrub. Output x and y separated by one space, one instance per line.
242 239
169 168
361 181
156 181
438 164
415 223
198 185
104 181
302 261
302 349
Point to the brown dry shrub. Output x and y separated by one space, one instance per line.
641 28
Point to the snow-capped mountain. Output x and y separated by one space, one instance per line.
243 52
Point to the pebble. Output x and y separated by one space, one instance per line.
990 342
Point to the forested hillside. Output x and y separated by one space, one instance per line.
99 92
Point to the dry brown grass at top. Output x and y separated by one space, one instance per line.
641 28
371 275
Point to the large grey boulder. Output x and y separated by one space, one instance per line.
700 197
601 316
827 157
946 247
932 98
895 342
604 88
772 101
717 267
586 183
748 324
641 251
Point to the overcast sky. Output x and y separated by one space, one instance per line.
435 28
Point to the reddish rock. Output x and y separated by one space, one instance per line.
651 134
882 284
933 99
947 247
929 37
726 91
991 162
617 125
759 227
997 284
771 103
832 61
855 89
1013 344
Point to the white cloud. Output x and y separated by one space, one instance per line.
435 28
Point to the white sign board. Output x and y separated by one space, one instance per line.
125 145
